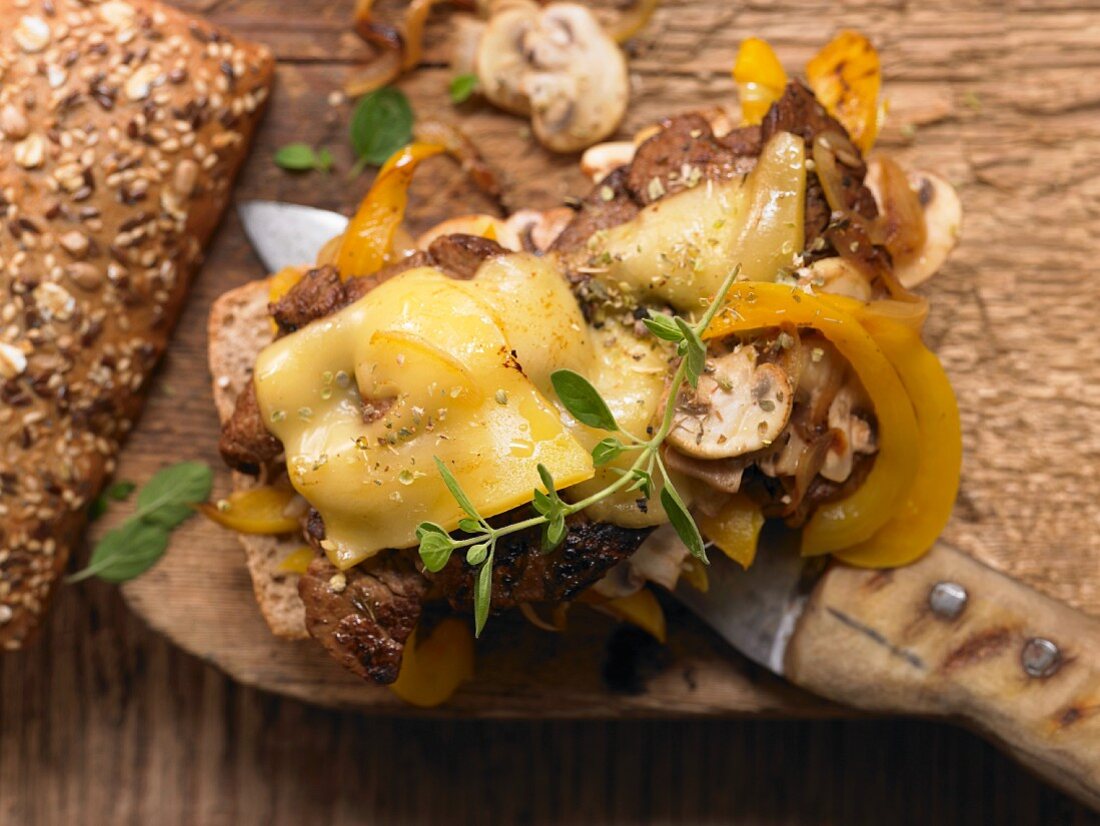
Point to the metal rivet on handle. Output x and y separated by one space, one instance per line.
947 600
1040 657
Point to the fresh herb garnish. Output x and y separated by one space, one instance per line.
117 492
380 125
585 404
135 546
462 86
301 157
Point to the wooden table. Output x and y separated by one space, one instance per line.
104 722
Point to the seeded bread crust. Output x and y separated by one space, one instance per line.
239 328
122 124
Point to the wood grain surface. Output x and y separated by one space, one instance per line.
104 722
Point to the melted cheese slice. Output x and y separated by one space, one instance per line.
440 361
425 366
679 250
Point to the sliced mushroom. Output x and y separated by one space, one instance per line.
942 218
851 434
739 406
837 276
658 559
601 160
535 230
558 65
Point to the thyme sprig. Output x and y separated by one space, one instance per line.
586 405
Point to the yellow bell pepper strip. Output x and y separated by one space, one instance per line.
854 519
296 561
760 78
369 236
914 529
641 609
432 670
262 510
845 76
735 529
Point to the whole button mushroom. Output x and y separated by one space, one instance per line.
557 65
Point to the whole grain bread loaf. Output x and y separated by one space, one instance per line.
122 125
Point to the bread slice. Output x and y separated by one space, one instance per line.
115 167
238 329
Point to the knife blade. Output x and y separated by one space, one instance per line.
287 235
755 610
946 636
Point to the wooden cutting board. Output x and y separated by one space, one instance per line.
1002 103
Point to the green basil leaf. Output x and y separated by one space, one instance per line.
296 157
118 492
456 490
462 86
169 497
469 525
582 400
126 552
682 522
324 159
663 326
435 546
477 553
607 450
380 125
483 595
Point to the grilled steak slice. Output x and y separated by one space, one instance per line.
364 616
460 255
245 443
609 204
522 573
686 152
318 293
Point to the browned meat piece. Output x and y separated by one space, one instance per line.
318 293
245 444
684 153
459 255
363 616
321 292
607 205
523 573
745 141
799 112
816 219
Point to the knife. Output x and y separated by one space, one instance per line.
946 636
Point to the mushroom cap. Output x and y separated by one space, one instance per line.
557 64
942 219
740 406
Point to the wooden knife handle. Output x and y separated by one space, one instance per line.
1018 665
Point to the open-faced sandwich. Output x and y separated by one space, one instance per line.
720 333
